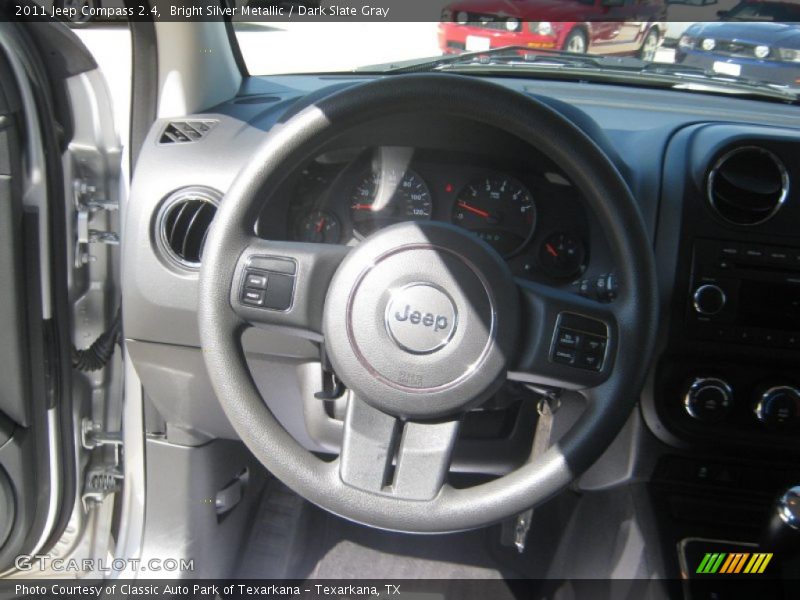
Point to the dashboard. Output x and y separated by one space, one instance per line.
530 215
726 247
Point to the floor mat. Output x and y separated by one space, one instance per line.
293 539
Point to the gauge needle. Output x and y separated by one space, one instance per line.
362 206
474 210
551 250
320 225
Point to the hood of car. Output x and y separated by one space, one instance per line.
527 10
771 34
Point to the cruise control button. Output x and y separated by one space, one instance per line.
253 297
256 281
274 264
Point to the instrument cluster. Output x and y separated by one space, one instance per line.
533 219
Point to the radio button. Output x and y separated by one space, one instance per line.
709 299
754 254
791 340
768 338
729 250
779 257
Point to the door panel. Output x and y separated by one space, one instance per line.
30 379
13 350
59 290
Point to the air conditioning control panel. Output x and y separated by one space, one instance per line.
729 403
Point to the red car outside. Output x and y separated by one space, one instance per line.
622 27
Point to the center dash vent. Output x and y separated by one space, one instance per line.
183 224
748 186
181 132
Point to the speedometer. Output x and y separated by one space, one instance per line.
499 210
389 196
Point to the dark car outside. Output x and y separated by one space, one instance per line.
768 52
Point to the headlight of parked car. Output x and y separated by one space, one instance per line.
761 51
788 54
447 15
541 27
512 24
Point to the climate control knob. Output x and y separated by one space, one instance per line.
708 399
779 405
709 299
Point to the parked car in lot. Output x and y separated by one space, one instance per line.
762 51
594 26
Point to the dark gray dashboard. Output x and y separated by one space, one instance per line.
637 128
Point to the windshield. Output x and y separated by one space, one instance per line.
750 43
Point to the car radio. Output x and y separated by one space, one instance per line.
745 293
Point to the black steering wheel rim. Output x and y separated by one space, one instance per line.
635 310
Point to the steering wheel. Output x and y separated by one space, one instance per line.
423 321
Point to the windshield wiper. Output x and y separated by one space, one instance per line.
601 68
488 57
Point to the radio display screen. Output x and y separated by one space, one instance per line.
769 305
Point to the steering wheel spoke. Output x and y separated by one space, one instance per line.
569 341
389 456
284 283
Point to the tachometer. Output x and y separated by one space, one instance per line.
498 209
389 196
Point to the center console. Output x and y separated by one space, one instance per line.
727 377
725 394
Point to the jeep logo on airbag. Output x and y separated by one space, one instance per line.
421 318
438 322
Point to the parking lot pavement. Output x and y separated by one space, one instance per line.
281 48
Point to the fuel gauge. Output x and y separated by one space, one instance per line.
562 255
319 227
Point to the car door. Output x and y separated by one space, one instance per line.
59 183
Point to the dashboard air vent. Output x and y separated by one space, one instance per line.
181 132
748 186
183 224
